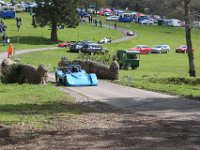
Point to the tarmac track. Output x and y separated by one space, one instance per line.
141 101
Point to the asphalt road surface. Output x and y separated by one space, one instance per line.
140 101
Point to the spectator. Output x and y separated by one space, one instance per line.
10 50
100 23
4 39
18 22
33 21
95 21
115 25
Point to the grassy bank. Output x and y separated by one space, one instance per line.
33 104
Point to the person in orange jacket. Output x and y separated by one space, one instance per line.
10 50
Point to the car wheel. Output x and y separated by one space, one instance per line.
126 66
65 81
105 52
120 66
57 80
91 53
133 67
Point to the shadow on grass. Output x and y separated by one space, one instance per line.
55 107
31 40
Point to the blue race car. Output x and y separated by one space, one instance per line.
73 75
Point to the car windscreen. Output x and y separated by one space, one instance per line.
158 46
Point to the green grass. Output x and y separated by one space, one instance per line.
33 104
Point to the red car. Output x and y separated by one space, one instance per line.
100 12
66 44
182 49
130 33
143 49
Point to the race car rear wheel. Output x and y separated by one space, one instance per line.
65 81
57 80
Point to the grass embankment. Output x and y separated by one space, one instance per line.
33 104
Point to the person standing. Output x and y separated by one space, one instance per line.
95 21
115 25
100 23
10 50
18 22
4 39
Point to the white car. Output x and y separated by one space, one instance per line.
104 41
112 18
147 22
106 14
2 2
160 49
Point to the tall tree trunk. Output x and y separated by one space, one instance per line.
54 36
192 71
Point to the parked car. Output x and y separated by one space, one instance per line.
106 13
66 44
78 45
130 33
73 75
147 22
2 2
143 49
83 13
112 18
160 49
128 58
100 12
30 4
104 41
183 49
93 48
19 8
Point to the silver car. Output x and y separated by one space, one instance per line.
160 49
112 18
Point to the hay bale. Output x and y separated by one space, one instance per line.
101 70
12 72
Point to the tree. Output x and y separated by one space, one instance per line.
56 12
188 27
